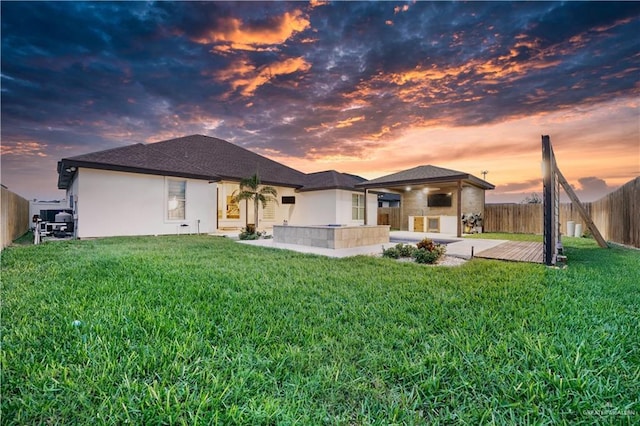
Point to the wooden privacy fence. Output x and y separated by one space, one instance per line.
15 216
389 216
616 215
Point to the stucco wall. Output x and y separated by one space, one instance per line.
116 203
332 206
315 208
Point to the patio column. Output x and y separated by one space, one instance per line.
459 207
366 193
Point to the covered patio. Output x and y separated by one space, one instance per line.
433 199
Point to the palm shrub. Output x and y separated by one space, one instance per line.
251 189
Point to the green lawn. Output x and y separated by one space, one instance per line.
203 330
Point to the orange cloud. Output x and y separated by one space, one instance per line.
246 77
27 149
316 3
349 122
233 33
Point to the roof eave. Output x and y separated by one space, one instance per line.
65 176
373 184
262 182
449 179
327 188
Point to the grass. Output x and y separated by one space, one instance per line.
202 330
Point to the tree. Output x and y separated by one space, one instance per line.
252 189
534 198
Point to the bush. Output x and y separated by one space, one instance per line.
426 256
426 244
428 251
249 233
391 252
405 250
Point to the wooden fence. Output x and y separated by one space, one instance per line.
616 215
389 216
15 216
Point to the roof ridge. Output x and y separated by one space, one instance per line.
106 150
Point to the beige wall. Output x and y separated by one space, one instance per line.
282 212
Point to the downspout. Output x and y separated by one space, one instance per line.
366 193
459 208
218 207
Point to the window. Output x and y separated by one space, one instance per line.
269 212
357 207
176 199
233 209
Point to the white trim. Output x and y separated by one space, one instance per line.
167 201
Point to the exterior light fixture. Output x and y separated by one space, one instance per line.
408 188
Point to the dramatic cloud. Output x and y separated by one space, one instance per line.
248 78
364 87
233 33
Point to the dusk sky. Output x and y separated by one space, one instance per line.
368 88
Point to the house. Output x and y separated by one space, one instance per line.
388 199
187 185
433 199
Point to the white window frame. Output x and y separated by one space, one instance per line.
169 200
269 211
357 207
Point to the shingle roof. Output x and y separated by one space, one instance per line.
196 156
330 179
205 157
424 174
229 161
138 158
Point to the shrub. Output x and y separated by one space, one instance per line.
427 244
426 256
249 233
405 250
391 252
428 251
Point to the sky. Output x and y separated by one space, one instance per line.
368 88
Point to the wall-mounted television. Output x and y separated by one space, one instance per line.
439 200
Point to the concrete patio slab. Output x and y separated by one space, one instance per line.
459 248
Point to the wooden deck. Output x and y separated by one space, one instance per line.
518 251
